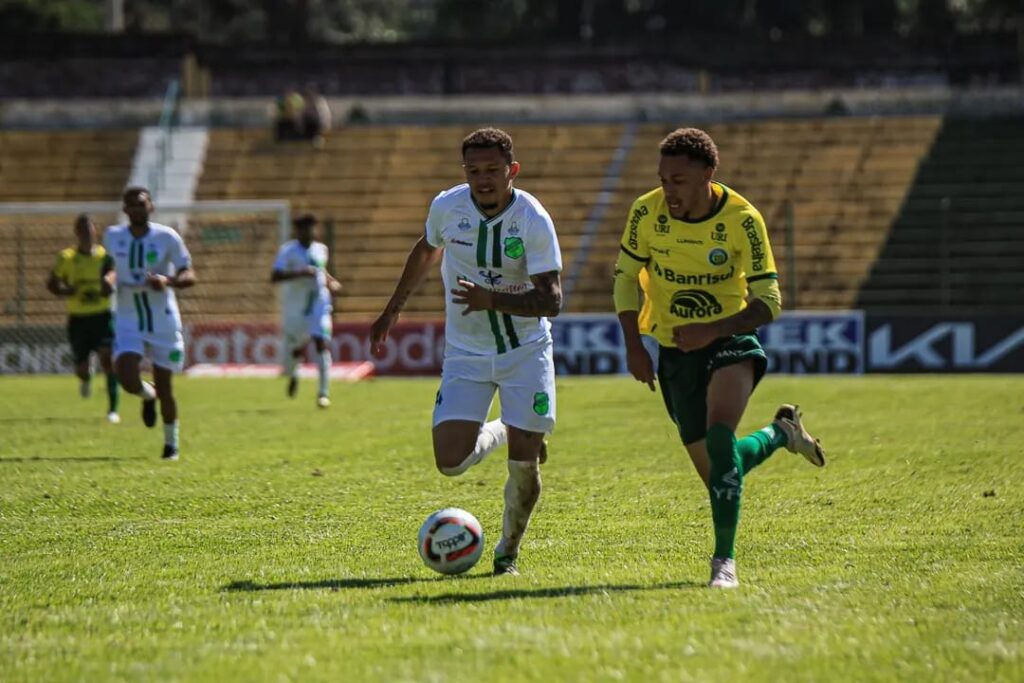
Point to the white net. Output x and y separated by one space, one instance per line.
233 244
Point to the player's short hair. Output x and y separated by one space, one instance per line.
133 191
487 138
305 220
82 219
690 142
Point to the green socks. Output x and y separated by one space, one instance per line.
755 448
725 487
730 460
112 394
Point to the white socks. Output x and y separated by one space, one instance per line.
323 366
171 433
521 493
493 434
148 393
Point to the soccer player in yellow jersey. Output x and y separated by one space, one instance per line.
79 277
709 281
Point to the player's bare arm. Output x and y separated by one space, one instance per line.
333 286
638 361
419 262
698 335
108 277
59 287
185 278
545 299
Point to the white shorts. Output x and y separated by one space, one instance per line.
298 330
524 378
164 350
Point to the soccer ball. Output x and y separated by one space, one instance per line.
451 541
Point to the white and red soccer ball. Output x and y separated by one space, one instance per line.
451 541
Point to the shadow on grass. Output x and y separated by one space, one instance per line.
339 584
71 458
53 418
559 592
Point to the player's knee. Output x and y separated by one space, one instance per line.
128 378
721 446
450 470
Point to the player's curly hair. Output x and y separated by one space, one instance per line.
487 138
690 142
133 192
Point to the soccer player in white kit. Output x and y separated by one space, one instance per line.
301 264
150 262
501 265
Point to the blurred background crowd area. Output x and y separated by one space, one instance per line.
233 48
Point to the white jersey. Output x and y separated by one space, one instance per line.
304 296
498 253
161 251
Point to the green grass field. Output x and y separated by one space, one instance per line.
282 546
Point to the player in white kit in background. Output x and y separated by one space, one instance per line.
501 270
150 262
301 265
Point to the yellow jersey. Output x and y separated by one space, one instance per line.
695 271
85 273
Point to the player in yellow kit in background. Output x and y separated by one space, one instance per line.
700 247
78 276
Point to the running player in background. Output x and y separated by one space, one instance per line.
150 262
501 271
703 246
306 307
78 276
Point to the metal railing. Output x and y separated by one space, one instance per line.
168 120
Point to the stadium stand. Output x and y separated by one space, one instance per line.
56 166
372 186
845 180
958 243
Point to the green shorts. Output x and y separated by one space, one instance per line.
684 378
88 333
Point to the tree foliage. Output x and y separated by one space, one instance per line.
525 21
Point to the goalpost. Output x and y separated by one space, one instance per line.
233 244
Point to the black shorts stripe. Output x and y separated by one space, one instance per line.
139 315
510 330
149 312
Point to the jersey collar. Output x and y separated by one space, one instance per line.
149 229
719 205
483 216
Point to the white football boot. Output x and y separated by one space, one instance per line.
723 573
798 440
